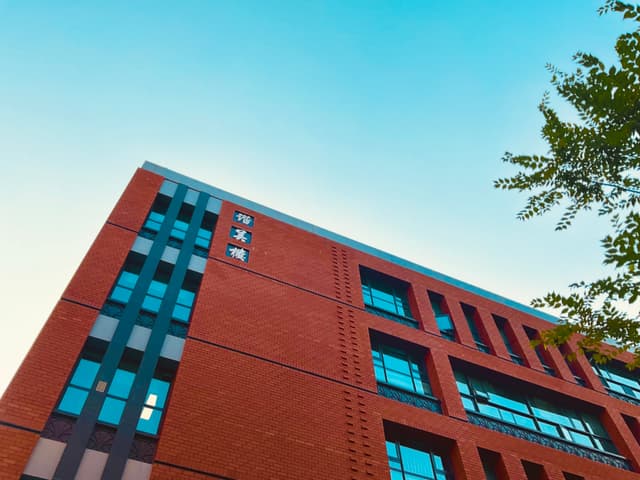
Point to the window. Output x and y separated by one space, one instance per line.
186 297
490 461
471 314
157 288
541 352
533 471
443 318
503 325
617 379
385 294
118 390
181 225
394 366
156 398
532 413
128 278
572 364
120 387
157 213
83 378
205 232
408 463
571 476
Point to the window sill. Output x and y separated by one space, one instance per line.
410 322
426 402
622 396
491 423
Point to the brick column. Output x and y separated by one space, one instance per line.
622 436
559 364
466 461
586 371
460 322
424 310
523 343
443 383
511 467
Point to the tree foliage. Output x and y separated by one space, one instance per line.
593 164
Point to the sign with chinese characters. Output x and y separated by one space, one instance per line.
243 218
240 235
237 253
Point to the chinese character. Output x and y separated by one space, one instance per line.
244 218
240 235
237 253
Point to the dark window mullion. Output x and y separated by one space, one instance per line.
70 460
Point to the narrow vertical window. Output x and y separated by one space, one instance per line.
127 279
156 215
83 378
572 364
443 317
533 471
156 397
541 352
506 334
471 315
490 461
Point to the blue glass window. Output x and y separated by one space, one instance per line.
395 367
617 379
385 293
205 232
128 278
443 319
203 239
79 386
407 463
124 286
181 224
502 325
155 401
157 213
532 412
182 309
111 410
471 315
541 353
73 400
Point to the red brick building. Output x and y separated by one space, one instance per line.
204 336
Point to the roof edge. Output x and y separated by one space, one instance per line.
283 217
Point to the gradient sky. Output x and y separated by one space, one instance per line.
384 121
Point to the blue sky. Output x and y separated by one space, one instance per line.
384 121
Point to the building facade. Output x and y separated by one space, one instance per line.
205 336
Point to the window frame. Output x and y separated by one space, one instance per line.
438 464
372 280
479 392
416 368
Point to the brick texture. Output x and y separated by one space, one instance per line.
262 421
134 204
15 449
276 380
99 269
35 389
